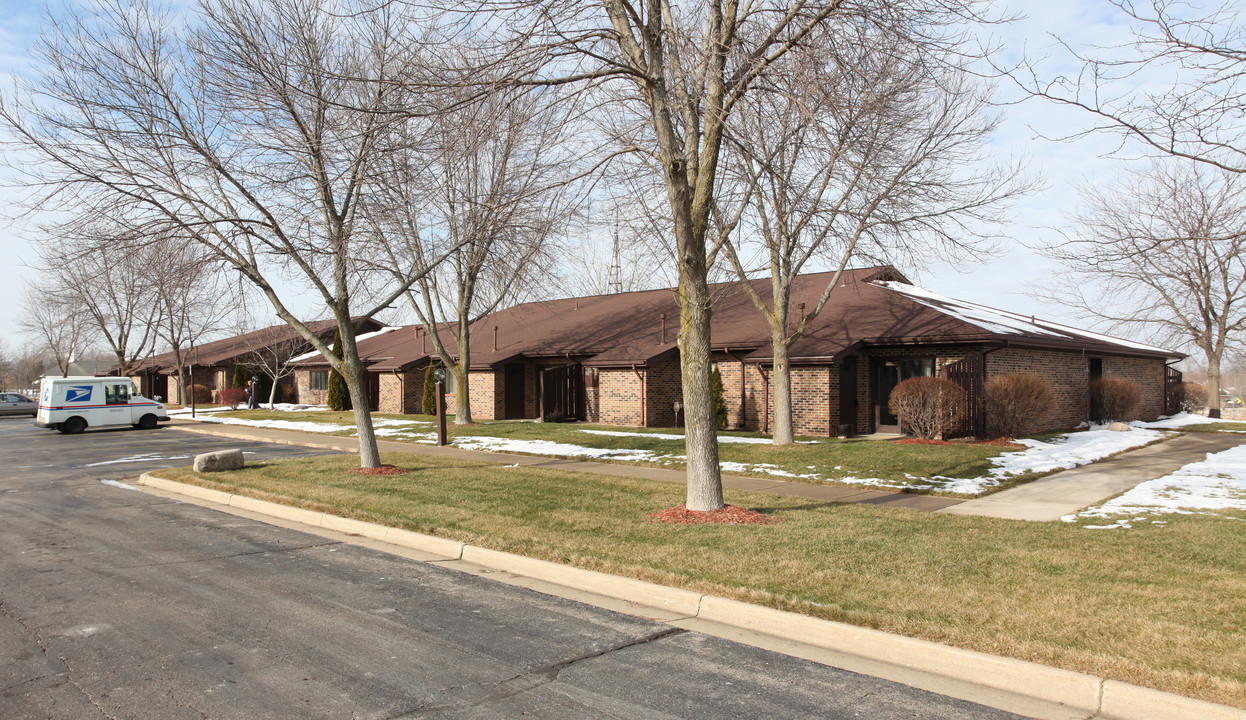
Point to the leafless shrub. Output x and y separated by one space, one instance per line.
1193 397
1017 405
1113 398
201 394
928 406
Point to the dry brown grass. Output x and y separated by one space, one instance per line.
1158 605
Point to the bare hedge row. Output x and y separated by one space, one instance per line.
1016 405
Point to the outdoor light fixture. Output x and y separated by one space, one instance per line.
439 373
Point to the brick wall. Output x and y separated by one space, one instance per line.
401 393
201 376
486 394
307 396
663 388
620 395
1149 374
592 396
1069 375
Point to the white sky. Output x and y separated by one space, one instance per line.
1000 283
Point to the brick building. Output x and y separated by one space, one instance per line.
212 363
614 359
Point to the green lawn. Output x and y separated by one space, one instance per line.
831 459
1157 605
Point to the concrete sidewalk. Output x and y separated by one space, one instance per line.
818 493
1067 492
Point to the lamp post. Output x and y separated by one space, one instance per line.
440 374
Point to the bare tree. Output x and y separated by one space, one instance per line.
193 296
491 178
1199 115
28 366
859 148
670 77
273 357
57 324
1163 253
103 271
253 127
617 259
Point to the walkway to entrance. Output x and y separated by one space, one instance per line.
1064 493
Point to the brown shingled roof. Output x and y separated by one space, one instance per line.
232 348
871 307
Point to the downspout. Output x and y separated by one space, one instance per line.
982 400
765 400
641 380
743 390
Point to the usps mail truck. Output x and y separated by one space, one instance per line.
73 404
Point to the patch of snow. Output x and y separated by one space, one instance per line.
148 457
200 411
118 484
673 436
548 447
1070 450
1002 321
1216 484
1182 419
301 426
1066 451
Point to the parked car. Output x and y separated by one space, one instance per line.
14 404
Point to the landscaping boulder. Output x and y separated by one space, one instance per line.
1119 427
218 461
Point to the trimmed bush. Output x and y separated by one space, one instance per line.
200 394
928 406
339 394
428 404
1113 398
1193 397
720 403
1017 405
234 397
240 377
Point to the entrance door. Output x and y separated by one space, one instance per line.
886 377
888 374
516 391
848 395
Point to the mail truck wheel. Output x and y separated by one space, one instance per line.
73 426
147 422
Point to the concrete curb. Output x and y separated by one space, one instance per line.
1091 695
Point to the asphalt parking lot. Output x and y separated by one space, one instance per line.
117 603
119 452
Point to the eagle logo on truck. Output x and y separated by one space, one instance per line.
78 393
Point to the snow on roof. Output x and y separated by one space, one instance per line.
358 339
1002 321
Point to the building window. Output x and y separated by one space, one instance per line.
318 380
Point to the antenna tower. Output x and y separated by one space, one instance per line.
615 282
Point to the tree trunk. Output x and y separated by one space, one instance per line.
781 378
462 393
1213 385
704 476
272 394
355 376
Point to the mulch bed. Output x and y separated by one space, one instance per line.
1001 442
728 515
382 470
